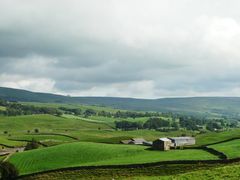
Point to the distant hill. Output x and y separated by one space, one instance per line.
215 106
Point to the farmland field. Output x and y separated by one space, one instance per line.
5 141
213 137
89 154
45 123
231 148
2 108
181 172
76 141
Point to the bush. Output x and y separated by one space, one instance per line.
32 145
8 171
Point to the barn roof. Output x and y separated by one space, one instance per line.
125 141
138 139
164 139
182 138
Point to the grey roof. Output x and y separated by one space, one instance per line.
181 138
138 139
125 141
164 139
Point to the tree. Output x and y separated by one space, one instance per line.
89 112
36 130
175 125
212 126
77 112
156 123
188 123
8 171
33 144
128 125
59 113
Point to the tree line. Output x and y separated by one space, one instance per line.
15 109
184 122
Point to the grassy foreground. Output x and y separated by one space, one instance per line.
181 172
89 154
226 172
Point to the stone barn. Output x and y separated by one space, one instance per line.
182 141
162 144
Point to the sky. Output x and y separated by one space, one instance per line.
121 48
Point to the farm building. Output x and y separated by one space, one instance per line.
182 141
138 141
125 141
163 144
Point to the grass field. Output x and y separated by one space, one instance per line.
181 172
217 173
90 130
4 141
212 137
231 148
44 138
2 108
87 154
45 123
89 148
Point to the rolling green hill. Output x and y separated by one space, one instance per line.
94 154
211 106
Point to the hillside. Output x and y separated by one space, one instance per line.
96 154
211 106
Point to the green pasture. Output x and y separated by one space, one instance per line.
213 137
43 138
2 108
94 154
231 148
5 141
217 173
45 123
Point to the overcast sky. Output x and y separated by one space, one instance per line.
125 48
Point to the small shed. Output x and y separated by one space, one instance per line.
125 141
137 141
182 141
162 144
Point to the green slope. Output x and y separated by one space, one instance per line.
86 154
45 123
231 148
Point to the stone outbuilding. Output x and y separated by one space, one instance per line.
163 144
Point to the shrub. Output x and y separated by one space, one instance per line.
8 171
32 145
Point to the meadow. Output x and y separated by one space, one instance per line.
181 172
96 154
2 108
231 148
76 141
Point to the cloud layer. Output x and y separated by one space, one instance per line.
137 48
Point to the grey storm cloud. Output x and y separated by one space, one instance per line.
136 48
